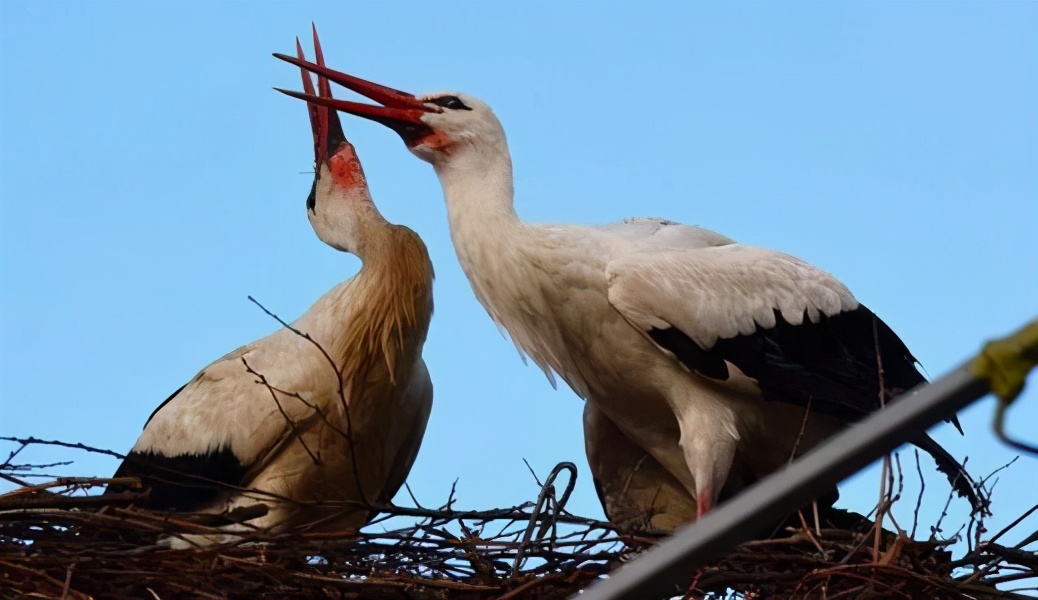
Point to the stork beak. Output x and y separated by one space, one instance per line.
401 112
327 130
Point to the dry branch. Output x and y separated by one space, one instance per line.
60 540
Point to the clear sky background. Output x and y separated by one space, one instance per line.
150 180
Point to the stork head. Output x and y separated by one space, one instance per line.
339 198
435 127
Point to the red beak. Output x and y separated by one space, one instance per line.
401 112
327 130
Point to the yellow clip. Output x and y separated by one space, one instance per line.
1004 364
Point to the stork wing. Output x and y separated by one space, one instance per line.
215 431
793 328
411 417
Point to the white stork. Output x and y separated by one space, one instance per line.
330 410
703 351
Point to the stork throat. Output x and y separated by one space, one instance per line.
346 169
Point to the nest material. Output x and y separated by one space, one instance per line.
56 542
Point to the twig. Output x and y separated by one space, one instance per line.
32 440
291 423
919 498
341 390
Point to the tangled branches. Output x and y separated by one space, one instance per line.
57 543
58 540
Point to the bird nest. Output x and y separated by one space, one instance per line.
58 540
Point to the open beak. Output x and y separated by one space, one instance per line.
327 130
401 112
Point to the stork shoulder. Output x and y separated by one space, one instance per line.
662 233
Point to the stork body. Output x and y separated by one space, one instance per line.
551 288
722 361
331 409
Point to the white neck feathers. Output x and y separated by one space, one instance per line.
477 186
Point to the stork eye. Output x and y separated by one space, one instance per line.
451 102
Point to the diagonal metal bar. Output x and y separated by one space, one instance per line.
668 568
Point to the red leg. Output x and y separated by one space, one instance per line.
704 502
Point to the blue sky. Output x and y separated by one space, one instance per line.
150 180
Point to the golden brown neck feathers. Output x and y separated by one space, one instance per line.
394 289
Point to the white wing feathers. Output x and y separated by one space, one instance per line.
226 407
720 292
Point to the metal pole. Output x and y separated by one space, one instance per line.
668 568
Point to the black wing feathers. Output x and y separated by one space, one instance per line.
837 364
187 482
832 363
690 353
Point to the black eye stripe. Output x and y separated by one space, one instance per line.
451 102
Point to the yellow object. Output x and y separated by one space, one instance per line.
1004 364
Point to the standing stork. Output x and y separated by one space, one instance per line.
716 358
329 410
